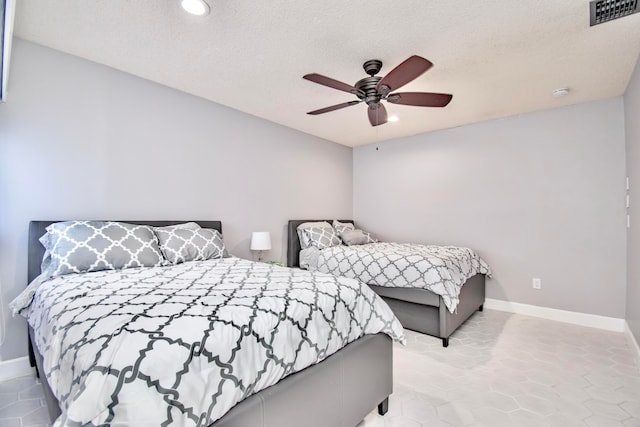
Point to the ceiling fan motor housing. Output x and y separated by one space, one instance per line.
367 90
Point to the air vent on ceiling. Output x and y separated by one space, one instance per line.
608 10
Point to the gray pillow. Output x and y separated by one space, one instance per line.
357 237
342 226
183 245
84 246
321 237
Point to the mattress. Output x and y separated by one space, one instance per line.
440 269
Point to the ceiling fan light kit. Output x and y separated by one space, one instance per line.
374 89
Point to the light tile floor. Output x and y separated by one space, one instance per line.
504 369
22 403
500 369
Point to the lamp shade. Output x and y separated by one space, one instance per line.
260 241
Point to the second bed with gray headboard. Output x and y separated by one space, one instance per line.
418 309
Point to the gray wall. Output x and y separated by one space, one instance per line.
632 132
80 140
538 195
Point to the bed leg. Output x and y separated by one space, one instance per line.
383 406
481 308
445 342
32 357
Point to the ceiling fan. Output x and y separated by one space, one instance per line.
374 89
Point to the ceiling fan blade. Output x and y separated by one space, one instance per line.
377 116
420 99
404 73
329 82
333 108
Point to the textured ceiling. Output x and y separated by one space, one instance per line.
498 57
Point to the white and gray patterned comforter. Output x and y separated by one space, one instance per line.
181 345
440 269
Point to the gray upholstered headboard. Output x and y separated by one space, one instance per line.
293 242
37 229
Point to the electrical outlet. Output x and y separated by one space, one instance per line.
537 283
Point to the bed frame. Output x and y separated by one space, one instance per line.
417 309
351 382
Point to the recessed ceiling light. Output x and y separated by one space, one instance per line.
196 7
560 92
392 119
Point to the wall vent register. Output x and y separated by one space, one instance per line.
607 10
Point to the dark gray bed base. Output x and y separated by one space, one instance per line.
417 309
339 391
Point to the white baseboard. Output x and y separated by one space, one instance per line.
635 348
15 368
582 319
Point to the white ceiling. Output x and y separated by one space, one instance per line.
497 57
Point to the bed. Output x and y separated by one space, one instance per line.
350 382
418 309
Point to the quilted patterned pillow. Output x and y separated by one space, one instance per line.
84 246
342 226
302 236
322 237
183 245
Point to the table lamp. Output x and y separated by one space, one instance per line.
260 241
